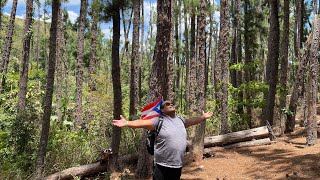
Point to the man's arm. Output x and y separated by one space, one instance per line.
146 124
197 120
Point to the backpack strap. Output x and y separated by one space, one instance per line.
183 121
158 128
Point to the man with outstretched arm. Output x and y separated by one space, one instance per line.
171 142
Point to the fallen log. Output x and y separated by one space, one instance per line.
258 142
84 170
90 169
235 137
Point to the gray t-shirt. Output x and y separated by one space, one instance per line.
171 142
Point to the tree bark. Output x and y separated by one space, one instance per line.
223 57
192 66
284 62
272 63
134 75
197 141
79 64
298 86
186 51
235 137
93 47
116 82
23 85
49 91
7 46
313 84
59 56
38 35
159 80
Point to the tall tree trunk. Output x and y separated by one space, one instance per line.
79 64
192 66
38 35
93 47
7 45
142 51
312 92
298 27
247 59
27 32
159 78
238 50
197 141
223 57
272 63
177 40
45 57
170 62
59 56
284 61
134 75
49 91
186 49
233 73
116 82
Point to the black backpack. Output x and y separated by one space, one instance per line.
151 137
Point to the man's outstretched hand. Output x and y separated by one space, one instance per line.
120 123
206 115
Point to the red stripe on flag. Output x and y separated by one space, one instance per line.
151 105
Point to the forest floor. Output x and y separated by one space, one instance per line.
287 158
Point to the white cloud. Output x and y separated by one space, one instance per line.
107 32
73 2
73 16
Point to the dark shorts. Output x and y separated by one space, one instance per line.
166 173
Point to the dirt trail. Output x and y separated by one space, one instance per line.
287 158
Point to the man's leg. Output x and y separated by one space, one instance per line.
173 174
159 172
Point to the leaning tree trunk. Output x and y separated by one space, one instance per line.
134 75
159 84
25 56
7 45
116 82
313 84
272 63
298 86
197 141
49 91
79 64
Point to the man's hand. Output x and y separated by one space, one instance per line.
206 115
120 123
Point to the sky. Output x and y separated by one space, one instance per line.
73 9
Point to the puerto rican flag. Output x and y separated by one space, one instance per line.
152 111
